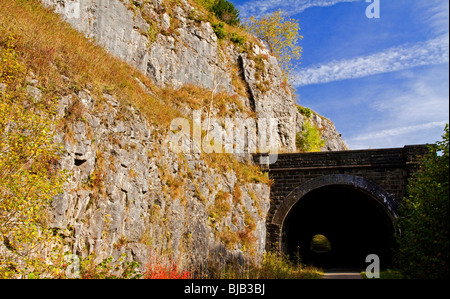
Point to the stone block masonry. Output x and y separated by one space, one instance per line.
388 168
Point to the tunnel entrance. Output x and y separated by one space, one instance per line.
354 223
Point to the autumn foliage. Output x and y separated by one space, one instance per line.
159 267
29 177
281 34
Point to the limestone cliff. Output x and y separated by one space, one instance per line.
182 48
174 44
129 191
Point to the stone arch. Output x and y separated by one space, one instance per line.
355 213
386 200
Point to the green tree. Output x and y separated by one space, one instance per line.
226 12
423 245
281 34
310 139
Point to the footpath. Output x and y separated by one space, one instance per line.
342 274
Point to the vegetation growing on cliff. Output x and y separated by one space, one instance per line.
29 177
309 139
304 111
223 10
282 35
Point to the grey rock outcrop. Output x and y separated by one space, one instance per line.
181 48
128 192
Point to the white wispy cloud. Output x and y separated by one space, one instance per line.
412 110
433 51
394 132
261 7
435 13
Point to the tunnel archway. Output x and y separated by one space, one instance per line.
354 214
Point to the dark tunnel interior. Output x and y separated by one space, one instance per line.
355 223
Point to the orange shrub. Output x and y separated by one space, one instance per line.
164 268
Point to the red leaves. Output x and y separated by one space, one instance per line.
164 268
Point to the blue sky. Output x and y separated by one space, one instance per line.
383 82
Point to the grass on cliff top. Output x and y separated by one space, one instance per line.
51 49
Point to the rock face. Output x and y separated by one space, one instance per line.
129 191
174 47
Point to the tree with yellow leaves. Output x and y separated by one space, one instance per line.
281 34
29 178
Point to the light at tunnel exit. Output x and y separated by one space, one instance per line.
353 223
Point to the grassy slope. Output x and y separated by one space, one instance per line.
51 49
